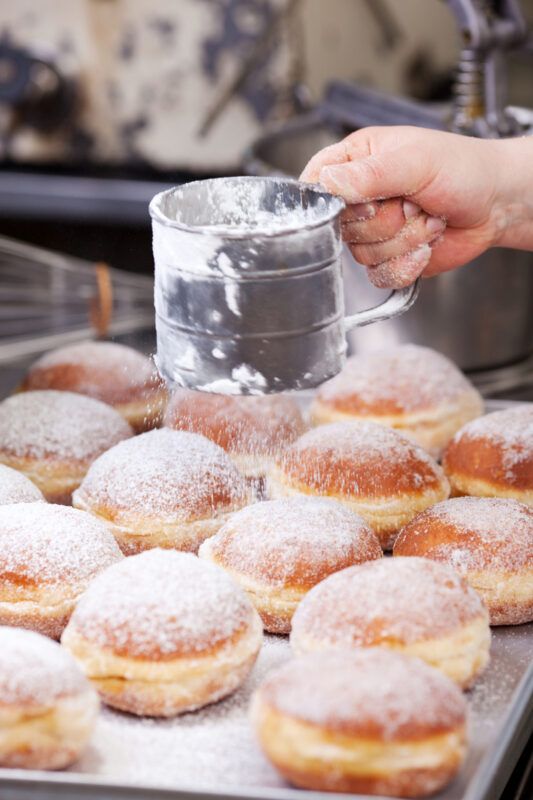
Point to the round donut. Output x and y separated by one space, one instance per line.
487 540
414 605
277 550
48 708
164 632
17 488
52 438
493 456
253 430
48 556
373 470
164 488
110 372
413 389
363 722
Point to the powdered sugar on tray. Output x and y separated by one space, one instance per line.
17 488
293 540
510 429
164 472
390 600
35 670
48 544
403 378
161 603
61 425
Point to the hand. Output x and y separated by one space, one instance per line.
423 202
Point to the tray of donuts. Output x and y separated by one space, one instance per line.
210 595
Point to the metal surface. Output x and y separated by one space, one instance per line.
248 286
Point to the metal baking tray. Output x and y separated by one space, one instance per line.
213 754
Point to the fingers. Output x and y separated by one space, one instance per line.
376 222
418 231
401 271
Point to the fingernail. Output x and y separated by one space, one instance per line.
334 177
422 253
435 224
362 211
410 209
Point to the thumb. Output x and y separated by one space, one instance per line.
396 173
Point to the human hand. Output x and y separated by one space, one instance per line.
423 202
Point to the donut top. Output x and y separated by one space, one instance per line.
243 425
36 671
58 425
498 446
295 541
162 604
162 472
472 533
372 693
17 488
390 601
407 378
359 458
106 371
44 544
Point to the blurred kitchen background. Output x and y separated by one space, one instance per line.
105 102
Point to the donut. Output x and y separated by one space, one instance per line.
253 430
164 488
373 470
413 389
52 438
48 556
277 550
493 456
363 722
487 540
17 488
48 708
163 632
413 605
110 372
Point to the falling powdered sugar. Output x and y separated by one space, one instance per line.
60 425
36 671
42 544
17 488
161 604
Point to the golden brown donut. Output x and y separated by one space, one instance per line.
48 709
364 722
414 605
163 488
17 488
48 556
493 456
277 550
487 540
373 470
253 430
164 632
110 372
52 438
414 389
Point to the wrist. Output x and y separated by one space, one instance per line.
513 207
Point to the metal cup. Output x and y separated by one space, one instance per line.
248 286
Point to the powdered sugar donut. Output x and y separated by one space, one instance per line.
487 540
48 556
163 488
414 605
47 707
17 488
108 371
373 470
493 456
365 722
164 632
414 389
53 437
277 550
